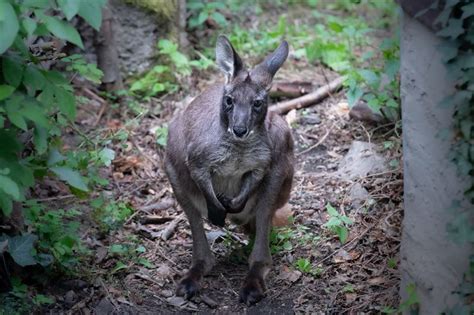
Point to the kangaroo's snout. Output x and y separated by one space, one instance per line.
239 131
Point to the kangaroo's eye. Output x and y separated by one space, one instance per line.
229 101
257 104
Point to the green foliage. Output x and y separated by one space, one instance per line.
165 78
128 255
110 215
371 74
35 101
162 135
58 235
338 223
202 11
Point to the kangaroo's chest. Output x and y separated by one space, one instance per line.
230 166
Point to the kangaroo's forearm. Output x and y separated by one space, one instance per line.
250 182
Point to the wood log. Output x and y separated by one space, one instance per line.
290 89
308 99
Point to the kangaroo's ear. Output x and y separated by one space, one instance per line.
263 73
227 58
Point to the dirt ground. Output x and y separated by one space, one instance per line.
358 276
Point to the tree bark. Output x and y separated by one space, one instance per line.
107 53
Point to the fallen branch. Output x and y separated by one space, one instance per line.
155 219
169 230
290 89
308 99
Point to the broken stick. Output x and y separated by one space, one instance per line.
290 89
308 99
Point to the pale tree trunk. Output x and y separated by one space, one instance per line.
429 259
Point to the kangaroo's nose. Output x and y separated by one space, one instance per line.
239 131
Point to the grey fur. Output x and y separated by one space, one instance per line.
213 169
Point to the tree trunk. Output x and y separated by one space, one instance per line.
429 259
181 23
107 53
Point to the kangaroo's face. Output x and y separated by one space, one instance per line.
245 99
244 107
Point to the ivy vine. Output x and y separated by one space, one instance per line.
456 22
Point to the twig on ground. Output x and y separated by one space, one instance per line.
169 230
323 138
308 99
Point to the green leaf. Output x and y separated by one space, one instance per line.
333 222
219 18
55 157
106 155
12 71
21 249
6 91
35 113
66 102
331 210
8 26
119 266
9 187
17 119
374 105
70 176
453 30
353 95
29 25
33 79
343 233
41 4
468 10
91 11
69 7
370 77
6 204
145 262
63 30
202 17
40 139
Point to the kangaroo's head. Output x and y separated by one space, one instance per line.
245 100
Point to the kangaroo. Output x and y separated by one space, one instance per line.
228 155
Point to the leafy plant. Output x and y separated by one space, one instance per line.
371 74
202 11
35 101
162 135
110 215
281 240
164 78
338 223
57 233
304 265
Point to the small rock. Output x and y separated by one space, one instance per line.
362 112
291 117
104 307
167 293
311 120
70 297
358 195
210 302
361 160
176 301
